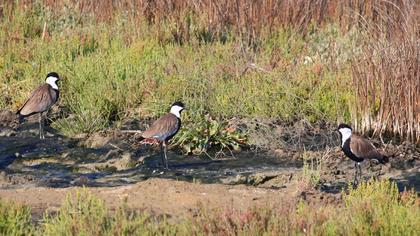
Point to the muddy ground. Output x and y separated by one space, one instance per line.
117 168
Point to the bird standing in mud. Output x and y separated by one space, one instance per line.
358 149
41 100
165 128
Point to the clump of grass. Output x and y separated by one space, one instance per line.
377 207
311 170
15 219
82 214
85 214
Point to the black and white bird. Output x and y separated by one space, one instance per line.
358 149
41 100
165 128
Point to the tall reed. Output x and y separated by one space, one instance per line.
387 74
246 19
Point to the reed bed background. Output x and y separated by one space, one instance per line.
356 61
386 75
251 20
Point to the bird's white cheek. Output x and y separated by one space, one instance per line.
176 111
53 82
345 134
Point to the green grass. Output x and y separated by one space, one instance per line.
15 219
374 208
121 69
379 209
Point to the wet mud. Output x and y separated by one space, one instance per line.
110 162
57 161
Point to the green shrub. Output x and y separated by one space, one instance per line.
15 219
85 214
377 208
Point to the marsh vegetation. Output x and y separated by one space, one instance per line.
270 78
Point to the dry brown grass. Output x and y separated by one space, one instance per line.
247 18
387 76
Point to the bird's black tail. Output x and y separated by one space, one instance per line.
383 160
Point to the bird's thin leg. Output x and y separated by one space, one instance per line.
164 152
360 170
356 170
41 131
43 124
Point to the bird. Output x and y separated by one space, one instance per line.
41 100
358 149
164 128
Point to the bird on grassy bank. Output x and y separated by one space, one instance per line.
41 100
164 128
358 149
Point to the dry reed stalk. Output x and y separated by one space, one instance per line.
247 17
387 76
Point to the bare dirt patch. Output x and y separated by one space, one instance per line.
169 197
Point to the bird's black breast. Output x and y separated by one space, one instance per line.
347 151
57 92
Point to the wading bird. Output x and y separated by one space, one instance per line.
358 149
165 128
41 100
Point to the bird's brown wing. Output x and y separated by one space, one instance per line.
362 148
162 128
39 101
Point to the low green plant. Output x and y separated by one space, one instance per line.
80 214
311 170
197 137
15 219
378 208
84 214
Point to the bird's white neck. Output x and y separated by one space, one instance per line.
176 110
52 82
345 134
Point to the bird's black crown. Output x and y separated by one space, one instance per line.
344 126
53 74
178 103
